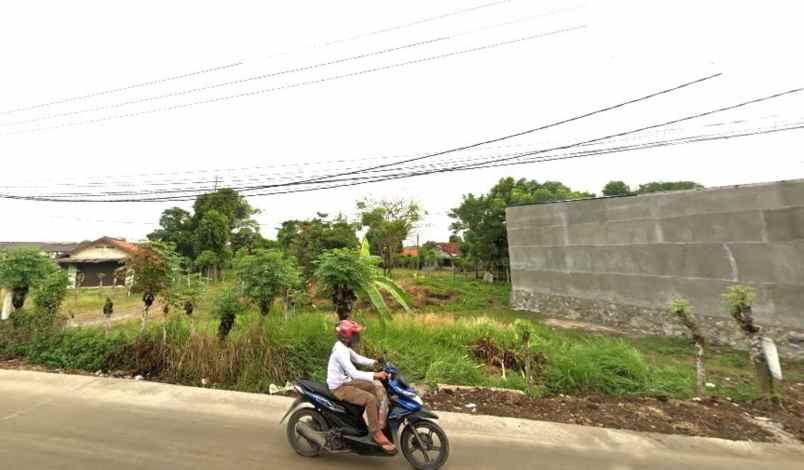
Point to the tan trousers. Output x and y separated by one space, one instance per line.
366 394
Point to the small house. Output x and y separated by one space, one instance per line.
96 263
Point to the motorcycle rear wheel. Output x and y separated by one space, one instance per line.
313 419
427 452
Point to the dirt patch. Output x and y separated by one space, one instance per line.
422 296
579 325
709 417
487 351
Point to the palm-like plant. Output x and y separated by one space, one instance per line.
347 273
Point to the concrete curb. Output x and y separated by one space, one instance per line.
251 406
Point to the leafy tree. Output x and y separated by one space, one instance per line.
246 239
389 223
176 226
226 308
616 188
347 273
228 203
153 268
660 186
428 254
207 260
51 291
221 221
739 300
212 235
480 220
305 240
21 270
265 275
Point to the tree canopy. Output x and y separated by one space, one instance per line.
305 240
660 186
264 275
221 223
389 222
480 220
616 188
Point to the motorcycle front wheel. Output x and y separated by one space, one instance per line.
425 445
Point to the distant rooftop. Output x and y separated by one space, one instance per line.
48 247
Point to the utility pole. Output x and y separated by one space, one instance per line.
216 182
418 254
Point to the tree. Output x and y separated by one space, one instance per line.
153 268
228 203
428 255
226 308
660 186
265 275
206 261
22 269
681 308
212 235
51 290
108 310
616 188
221 221
389 223
739 300
347 272
305 240
176 226
480 220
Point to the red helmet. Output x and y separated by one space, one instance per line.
348 330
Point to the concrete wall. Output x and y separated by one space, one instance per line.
603 258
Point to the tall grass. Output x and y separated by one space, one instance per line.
427 348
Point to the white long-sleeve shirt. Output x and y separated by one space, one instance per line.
341 369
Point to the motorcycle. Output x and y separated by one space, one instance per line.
333 426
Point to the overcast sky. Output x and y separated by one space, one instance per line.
57 50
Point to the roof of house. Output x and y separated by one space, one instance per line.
119 243
48 247
452 249
410 251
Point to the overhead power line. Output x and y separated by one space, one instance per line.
240 81
121 89
307 82
228 66
484 142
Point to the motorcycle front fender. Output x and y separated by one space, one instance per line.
422 414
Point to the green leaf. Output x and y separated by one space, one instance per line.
379 303
364 248
395 290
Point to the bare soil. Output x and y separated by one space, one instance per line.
707 417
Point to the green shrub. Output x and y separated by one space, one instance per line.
600 365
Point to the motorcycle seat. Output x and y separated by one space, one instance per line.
322 390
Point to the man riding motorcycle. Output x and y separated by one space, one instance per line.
349 384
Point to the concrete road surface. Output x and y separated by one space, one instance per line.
52 421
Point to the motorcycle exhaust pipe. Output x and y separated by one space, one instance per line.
311 434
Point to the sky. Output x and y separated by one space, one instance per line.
66 125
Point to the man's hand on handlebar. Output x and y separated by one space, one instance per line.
381 376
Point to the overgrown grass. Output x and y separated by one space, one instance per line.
430 345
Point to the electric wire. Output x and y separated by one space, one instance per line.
304 83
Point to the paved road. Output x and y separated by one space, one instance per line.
51 421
